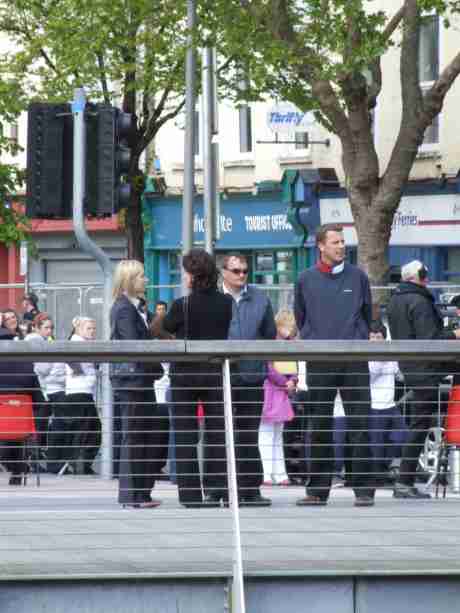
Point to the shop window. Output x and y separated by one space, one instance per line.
175 266
274 268
301 140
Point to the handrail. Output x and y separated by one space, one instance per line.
191 351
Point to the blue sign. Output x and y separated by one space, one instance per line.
245 223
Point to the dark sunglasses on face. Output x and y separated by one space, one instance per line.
238 271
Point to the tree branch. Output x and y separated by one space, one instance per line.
393 23
412 127
105 89
376 66
435 96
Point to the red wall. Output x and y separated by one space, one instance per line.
9 257
9 273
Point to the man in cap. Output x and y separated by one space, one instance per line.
412 315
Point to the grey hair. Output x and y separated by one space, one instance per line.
411 270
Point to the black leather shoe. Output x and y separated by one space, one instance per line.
311 501
212 500
89 471
255 501
364 501
15 480
409 492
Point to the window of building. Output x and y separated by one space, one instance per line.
429 69
301 140
245 125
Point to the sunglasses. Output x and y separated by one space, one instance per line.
238 271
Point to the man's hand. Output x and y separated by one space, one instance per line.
457 332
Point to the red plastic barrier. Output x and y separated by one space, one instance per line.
16 417
452 434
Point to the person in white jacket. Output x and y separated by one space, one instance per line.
84 434
387 430
51 376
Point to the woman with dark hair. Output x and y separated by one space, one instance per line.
16 378
10 321
203 315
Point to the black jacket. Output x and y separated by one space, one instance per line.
413 315
18 377
127 324
204 315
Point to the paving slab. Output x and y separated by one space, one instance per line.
72 527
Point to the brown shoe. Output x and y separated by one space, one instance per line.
149 504
311 501
364 501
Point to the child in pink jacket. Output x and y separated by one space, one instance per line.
279 385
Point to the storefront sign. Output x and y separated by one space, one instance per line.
284 117
244 223
419 220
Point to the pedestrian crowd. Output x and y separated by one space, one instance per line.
318 424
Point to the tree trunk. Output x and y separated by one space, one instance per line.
134 225
373 227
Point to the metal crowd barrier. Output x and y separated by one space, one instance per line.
77 529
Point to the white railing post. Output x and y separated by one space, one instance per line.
238 603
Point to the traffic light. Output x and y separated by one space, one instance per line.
49 160
108 159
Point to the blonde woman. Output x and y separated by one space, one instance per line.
141 427
80 388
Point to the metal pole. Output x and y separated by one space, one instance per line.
88 246
209 183
189 148
238 603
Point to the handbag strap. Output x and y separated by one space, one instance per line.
186 316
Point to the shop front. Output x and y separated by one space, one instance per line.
255 225
426 227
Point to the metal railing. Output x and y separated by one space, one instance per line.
64 301
220 356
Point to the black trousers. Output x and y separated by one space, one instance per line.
423 409
43 410
188 387
144 443
12 456
75 431
352 379
58 435
247 402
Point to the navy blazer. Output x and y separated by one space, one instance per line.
127 324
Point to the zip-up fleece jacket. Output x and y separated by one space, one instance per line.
333 306
252 320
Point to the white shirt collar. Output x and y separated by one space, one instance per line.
236 296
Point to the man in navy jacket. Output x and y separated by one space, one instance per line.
252 320
333 302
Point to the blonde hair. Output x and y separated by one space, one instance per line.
123 279
285 319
